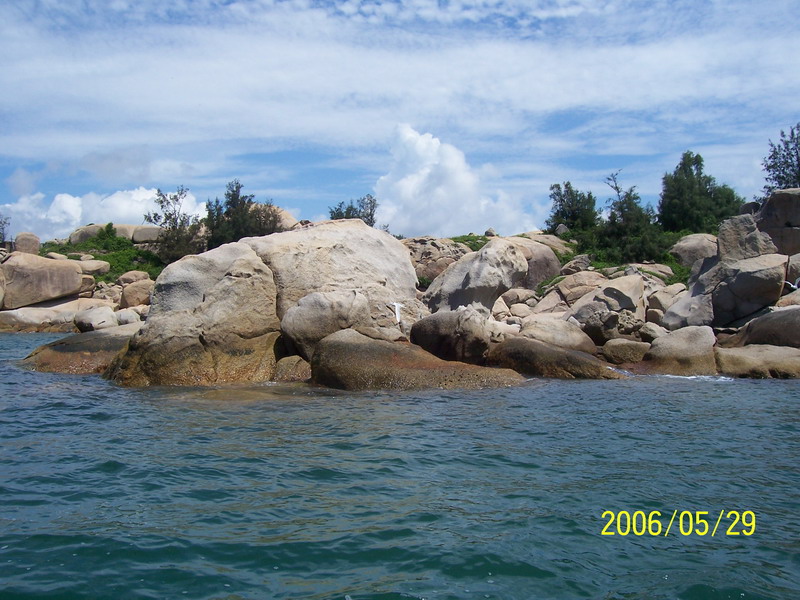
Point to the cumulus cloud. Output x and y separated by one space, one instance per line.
58 217
431 189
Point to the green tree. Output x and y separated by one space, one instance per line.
4 223
572 208
630 233
782 164
364 208
181 231
239 216
692 201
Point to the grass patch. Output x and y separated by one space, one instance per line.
472 241
118 252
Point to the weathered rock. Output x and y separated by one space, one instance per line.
747 286
31 279
561 229
654 315
580 263
57 315
574 287
137 293
651 331
653 272
27 242
791 299
778 328
131 276
56 256
542 261
490 232
602 326
535 358
87 286
83 353
793 270
623 293
146 234
759 361
81 234
696 246
620 351
320 314
460 335
479 278
665 297
94 267
126 316
2 287
93 319
688 351
555 243
520 296
292 369
779 218
553 302
108 291
337 255
500 309
212 320
520 310
431 256
557 332
739 238
351 361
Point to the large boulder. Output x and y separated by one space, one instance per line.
581 262
349 360
747 286
2 287
31 279
621 351
542 262
57 315
460 335
320 314
555 243
665 297
137 293
779 218
345 254
623 293
81 234
27 242
696 246
146 234
740 238
479 278
131 276
83 353
778 328
431 256
94 267
574 287
688 351
557 332
212 320
538 359
759 361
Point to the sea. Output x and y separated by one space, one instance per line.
651 487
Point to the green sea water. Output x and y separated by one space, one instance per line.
272 491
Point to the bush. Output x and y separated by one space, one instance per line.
472 241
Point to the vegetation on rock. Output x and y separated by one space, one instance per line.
782 163
238 217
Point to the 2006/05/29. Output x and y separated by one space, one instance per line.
689 523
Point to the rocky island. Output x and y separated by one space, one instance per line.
337 303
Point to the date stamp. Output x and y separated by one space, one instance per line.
684 522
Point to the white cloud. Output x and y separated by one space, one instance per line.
65 213
432 190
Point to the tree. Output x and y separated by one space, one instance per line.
782 164
181 231
630 233
240 216
4 223
363 209
572 208
692 201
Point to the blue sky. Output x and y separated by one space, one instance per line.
457 114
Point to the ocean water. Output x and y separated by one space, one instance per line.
297 492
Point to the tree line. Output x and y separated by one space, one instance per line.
691 201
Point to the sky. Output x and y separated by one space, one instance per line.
458 115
